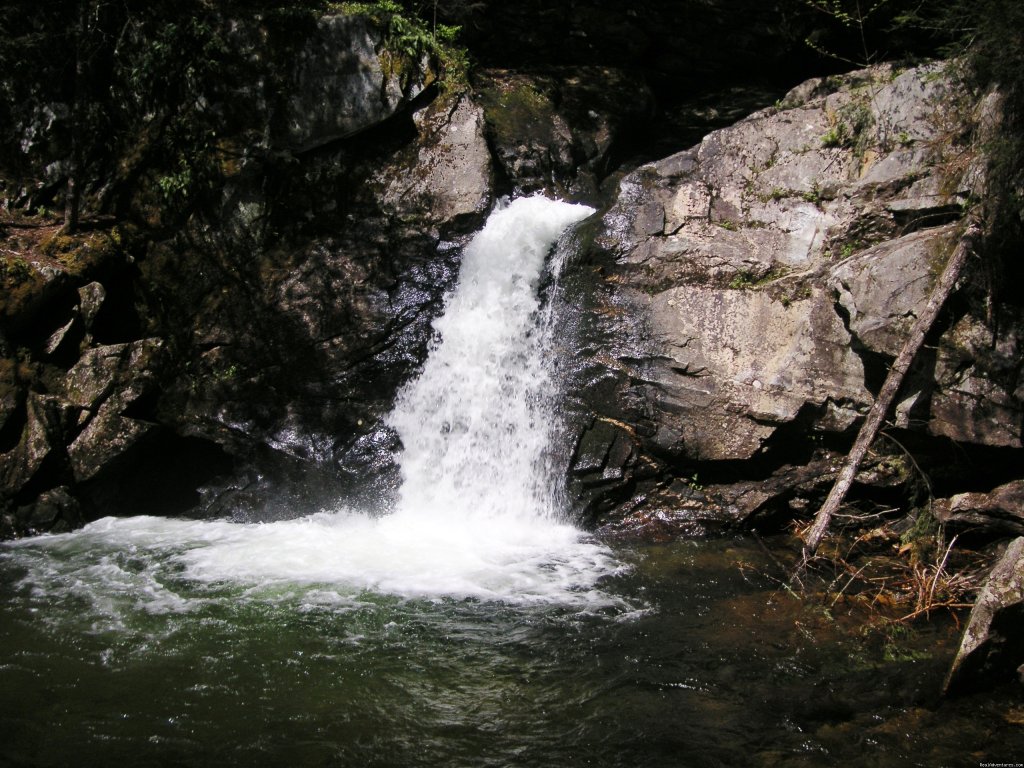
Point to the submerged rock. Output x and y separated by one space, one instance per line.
54 511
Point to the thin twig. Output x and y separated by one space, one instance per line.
929 608
848 583
938 571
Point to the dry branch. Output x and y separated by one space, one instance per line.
941 292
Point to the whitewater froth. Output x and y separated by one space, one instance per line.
476 517
476 422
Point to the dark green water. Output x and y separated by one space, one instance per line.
703 662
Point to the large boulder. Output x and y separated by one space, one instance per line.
113 375
992 647
1001 509
555 130
343 80
443 177
745 297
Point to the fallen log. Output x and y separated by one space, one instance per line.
876 415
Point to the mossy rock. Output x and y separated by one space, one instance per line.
20 285
81 254
517 111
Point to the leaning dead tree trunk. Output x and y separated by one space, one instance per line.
876 415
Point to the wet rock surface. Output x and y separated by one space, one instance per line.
250 355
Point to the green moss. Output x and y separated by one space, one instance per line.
81 253
851 127
776 194
814 195
747 280
922 537
19 285
517 112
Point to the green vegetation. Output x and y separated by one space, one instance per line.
410 38
518 110
747 279
814 195
850 127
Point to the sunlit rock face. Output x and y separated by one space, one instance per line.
749 293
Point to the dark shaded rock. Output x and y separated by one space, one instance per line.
668 511
90 301
992 648
105 384
1000 510
107 437
980 392
155 473
556 131
340 84
9 401
58 337
366 464
54 511
119 372
41 440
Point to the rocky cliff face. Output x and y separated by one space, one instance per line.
750 292
242 359
256 348
730 316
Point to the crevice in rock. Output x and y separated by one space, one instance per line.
117 320
160 475
914 220
875 364
145 407
12 429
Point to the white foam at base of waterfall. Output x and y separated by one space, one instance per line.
477 517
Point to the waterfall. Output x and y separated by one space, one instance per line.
476 422
476 517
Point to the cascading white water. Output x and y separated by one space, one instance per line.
476 422
476 517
